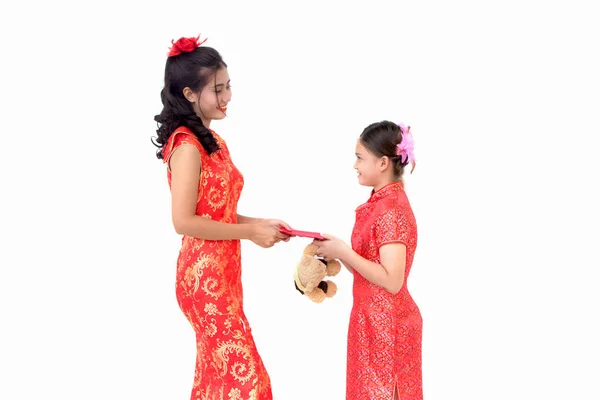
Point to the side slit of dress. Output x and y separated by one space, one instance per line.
395 393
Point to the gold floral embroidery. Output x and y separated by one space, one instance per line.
211 329
216 197
209 289
235 394
210 309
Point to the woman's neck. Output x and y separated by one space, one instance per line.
205 122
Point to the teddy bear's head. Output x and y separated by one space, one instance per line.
310 272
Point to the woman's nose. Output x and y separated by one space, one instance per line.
226 96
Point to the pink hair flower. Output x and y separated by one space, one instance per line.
406 147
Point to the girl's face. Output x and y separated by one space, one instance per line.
367 165
214 97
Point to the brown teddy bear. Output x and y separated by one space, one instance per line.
309 274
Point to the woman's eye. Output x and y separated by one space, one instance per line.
217 91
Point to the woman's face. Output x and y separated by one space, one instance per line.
213 99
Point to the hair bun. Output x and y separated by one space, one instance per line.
184 45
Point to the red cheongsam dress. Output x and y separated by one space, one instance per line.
384 335
209 287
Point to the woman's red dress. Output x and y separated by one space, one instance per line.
209 286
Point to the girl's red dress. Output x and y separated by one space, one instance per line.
384 335
209 287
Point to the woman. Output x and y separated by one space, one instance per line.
205 188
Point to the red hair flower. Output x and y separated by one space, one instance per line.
184 45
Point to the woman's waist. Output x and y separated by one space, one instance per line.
212 280
205 257
225 213
192 241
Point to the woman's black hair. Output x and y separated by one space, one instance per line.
193 70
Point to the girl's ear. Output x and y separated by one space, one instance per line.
384 162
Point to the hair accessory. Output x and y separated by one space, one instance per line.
405 149
184 45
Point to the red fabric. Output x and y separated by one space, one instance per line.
209 287
384 335
184 45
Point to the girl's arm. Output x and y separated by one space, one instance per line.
389 274
347 265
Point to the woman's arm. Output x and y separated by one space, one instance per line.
275 223
241 219
185 173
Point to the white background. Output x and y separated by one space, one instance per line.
503 100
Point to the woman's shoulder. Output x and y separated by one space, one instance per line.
180 136
183 133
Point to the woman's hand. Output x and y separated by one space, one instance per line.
332 248
267 232
278 224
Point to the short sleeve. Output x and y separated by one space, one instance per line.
177 139
391 227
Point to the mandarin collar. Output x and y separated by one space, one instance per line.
386 190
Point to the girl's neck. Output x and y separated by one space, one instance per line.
384 183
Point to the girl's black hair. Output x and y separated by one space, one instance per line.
382 139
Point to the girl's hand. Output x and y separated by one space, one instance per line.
332 248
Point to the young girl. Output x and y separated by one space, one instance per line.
205 188
384 335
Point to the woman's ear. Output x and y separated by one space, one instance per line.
190 95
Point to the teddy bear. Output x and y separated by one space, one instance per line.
310 272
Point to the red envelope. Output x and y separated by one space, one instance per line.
294 232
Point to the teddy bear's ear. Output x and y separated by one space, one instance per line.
311 250
323 286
